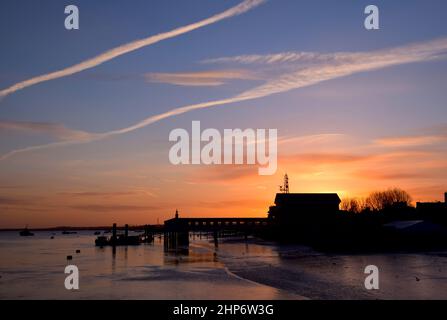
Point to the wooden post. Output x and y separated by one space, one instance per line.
114 234
216 243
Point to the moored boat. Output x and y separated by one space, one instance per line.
26 233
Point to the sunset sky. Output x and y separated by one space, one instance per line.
356 110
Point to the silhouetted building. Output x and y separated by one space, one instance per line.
303 216
399 211
295 207
436 211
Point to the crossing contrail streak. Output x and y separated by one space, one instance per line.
359 62
132 46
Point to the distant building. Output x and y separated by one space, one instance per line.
436 211
400 211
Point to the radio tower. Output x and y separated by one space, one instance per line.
285 187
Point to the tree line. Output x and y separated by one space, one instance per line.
377 201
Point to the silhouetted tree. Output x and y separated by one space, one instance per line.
352 205
380 200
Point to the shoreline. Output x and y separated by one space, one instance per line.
315 275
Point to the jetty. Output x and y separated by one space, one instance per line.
177 230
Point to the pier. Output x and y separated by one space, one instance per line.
177 230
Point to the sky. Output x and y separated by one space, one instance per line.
356 110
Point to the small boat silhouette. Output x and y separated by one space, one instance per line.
26 233
69 232
102 241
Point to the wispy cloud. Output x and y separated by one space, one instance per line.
230 203
326 158
53 129
98 194
348 157
93 194
11 187
45 146
311 139
12 201
358 62
201 78
403 175
132 46
224 174
410 141
285 57
113 207
431 136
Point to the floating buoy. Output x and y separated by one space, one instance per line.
69 258
78 251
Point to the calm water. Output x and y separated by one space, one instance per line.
33 267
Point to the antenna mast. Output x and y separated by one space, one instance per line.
285 187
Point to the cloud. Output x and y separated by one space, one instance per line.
434 135
295 79
312 139
136 191
357 63
286 58
245 6
376 175
411 141
7 201
222 174
54 129
98 194
113 207
202 78
229 203
12 187
326 158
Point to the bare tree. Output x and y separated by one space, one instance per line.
380 200
352 205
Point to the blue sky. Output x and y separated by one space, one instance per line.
399 101
35 42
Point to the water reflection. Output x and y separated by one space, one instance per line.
34 268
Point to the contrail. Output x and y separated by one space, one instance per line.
359 62
132 46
